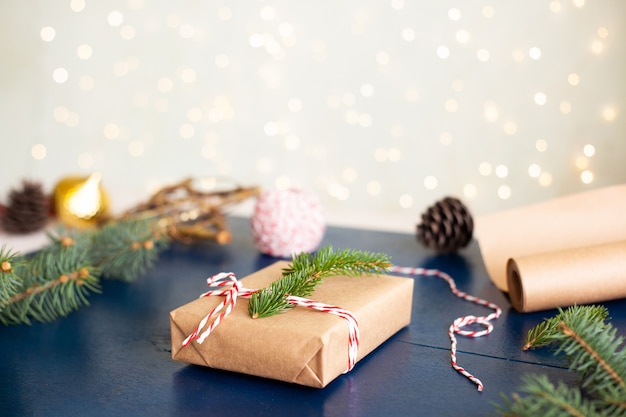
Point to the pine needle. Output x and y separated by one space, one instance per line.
595 353
125 249
55 284
306 271
547 332
59 278
547 400
9 281
593 350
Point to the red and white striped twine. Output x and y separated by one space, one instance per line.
230 300
353 325
457 325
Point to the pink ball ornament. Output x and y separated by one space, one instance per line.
287 222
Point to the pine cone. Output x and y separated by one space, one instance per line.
446 226
28 209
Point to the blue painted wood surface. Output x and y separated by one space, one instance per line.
113 357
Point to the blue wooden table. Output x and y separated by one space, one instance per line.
113 358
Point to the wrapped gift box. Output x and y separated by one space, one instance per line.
301 346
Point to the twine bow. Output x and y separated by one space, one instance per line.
235 291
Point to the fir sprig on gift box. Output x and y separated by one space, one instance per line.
593 350
307 270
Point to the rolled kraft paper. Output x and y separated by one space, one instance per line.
567 277
577 220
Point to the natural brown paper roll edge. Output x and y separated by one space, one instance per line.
563 278
551 225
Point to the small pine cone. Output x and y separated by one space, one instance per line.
28 209
446 226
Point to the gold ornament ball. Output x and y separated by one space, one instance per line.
80 202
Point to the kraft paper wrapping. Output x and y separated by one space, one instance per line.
301 346
572 276
565 251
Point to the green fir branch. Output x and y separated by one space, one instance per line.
57 279
55 285
9 281
593 350
306 271
547 332
63 237
125 249
542 398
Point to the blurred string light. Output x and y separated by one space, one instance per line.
406 201
541 145
502 171
586 176
534 170
470 191
38 151
583 163
483 55
565 107
77 5
609 113
454 14
47 33
60 75
504 192
445 138
485 169
373 188
589 150
431 182
307 112
115 18
84 51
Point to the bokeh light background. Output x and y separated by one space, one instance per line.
380 107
